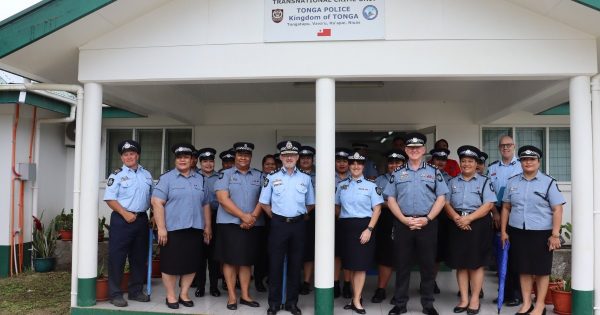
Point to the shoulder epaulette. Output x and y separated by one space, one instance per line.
431 165
273 172
347 179
116 171
305 172
495 162
164 173
257 170
515 175
398 168
371 180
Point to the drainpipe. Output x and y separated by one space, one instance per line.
76 108
596 153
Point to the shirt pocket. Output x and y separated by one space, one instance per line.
278 190
429 184
301 192
541 198
176 191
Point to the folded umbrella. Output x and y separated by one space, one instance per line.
502 259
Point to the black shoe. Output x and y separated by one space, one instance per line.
393 300
430 311
459 309
272 310
249 303
214 291
293 309
347 290
397 310
232 306
512 302
471 311
118 301
356 309
260 287
379 296
336 289
172 305
189 303
528 311
140 297
304 288
199 292
436 289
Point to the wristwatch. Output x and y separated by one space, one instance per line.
370 228
428 219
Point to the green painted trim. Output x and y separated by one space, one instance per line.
5 259
583 302
324 301
47 103
9 97
113 112
86 292
99 311
42 20
562 109
594 4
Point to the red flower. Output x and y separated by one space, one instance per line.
38 223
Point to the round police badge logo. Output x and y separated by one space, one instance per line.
370 12
277 15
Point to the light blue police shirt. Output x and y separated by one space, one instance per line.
416 190
185 198
357 197
446 176
131 188
382 181
532 201
338 178
469 195
499 173
209 183
243 189
287 194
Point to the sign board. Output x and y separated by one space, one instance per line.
323 20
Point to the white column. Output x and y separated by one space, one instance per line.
582 195
88 220
596 155
325 196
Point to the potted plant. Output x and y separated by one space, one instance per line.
555 282
43 245
566 230
102 283
562 299
64 225
125 278
101 225
156 262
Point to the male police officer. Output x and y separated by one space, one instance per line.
415 197
128 191
287 196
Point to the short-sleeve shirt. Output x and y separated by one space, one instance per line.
131 188
416 190
338 178
288 194
469 195
209 184
185 198
243 189
357 197
532 201
499 173
382 181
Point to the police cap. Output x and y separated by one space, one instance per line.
183 148
392 155
288 147
468 151
415 139
441 154
356 156
129 145
530 151
243 146
341 153
307 150
227 155
206 154
483 157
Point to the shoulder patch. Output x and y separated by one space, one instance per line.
392 179
439 177
378 190
265 181
495 162
221 174
491 187
110 181
117 171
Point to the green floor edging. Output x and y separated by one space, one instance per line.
583 302
324 301
99 311
5 259
86 292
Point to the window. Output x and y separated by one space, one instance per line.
554 142
156 145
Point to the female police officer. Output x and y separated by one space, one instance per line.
468 203
183 217
532 209
358 204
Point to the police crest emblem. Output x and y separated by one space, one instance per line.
378 190
277 15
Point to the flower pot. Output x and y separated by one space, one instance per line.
551 285
44 264
102 289
125 282
562 302
101 236
65 235
156 268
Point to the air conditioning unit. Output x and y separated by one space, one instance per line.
70 134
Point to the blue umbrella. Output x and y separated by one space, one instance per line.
502 260
149 276
284 284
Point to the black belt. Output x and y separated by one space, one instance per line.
287 219
138 213
463 213
415 216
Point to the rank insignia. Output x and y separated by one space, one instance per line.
110 181
378 190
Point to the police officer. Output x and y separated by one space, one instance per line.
415 197
239 223
227 159
384 257
305 164
481 163
287 196
183 217
128 191
278 162
499 172
531 217
342 172
358 205
468 204
371 171
206 156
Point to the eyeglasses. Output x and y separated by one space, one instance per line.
505 145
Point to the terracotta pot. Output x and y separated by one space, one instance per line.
65 235
102 289
551 285
156 268
125 282
562 302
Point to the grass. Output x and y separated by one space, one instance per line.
36 293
